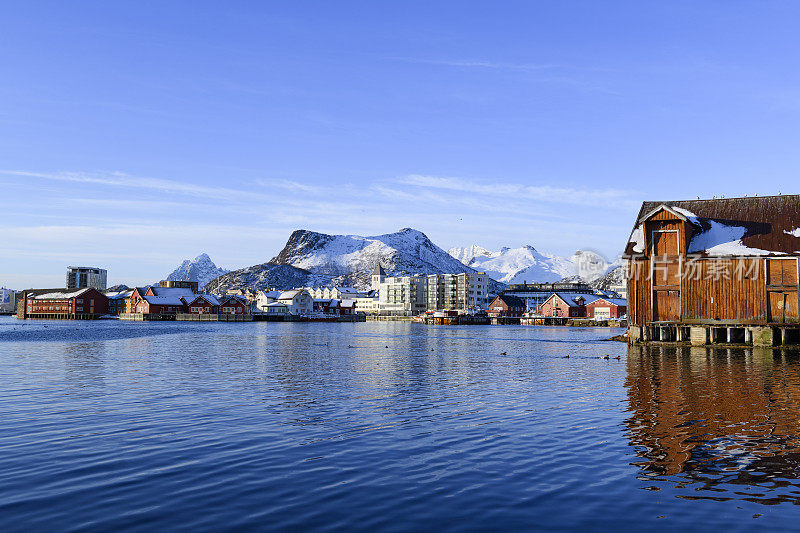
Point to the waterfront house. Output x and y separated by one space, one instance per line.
265 298
233 305
86 303
201 304
566 305
119 301
347 306
719 270
506 305
298 301
607 308
328 306
158 305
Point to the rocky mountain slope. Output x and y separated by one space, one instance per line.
316 259
201 269
614 277
263 276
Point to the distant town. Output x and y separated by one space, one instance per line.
451 298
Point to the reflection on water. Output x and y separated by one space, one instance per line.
718 424
387 426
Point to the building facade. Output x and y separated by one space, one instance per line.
607 309
403 295
720 270
88 303
83 277
506 305
465 291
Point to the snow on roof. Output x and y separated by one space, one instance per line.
347 302
290 295
722 239
173 291
615 301
750 226
207 297
60 295
349 290
163 300
275 304
570 298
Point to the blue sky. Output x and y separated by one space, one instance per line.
134 135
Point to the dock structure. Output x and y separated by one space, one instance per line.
715 272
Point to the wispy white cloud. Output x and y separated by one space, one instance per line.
485 64
120 179
540 193
292 186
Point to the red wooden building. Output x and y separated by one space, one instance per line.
506 305
233 305
720 270
607 308
566 305
201 304
88 303
159 305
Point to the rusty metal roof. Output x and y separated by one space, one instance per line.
768 223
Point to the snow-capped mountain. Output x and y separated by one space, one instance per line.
527 264
201 269
349 259
466 254
317 259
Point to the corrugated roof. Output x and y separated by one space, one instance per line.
768 224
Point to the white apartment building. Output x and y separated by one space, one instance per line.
465 291
403 295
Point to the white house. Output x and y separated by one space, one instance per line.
264 298
298 301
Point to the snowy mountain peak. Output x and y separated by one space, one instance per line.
201 269
350 259
466 254
527 265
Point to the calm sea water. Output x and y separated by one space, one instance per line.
388 426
